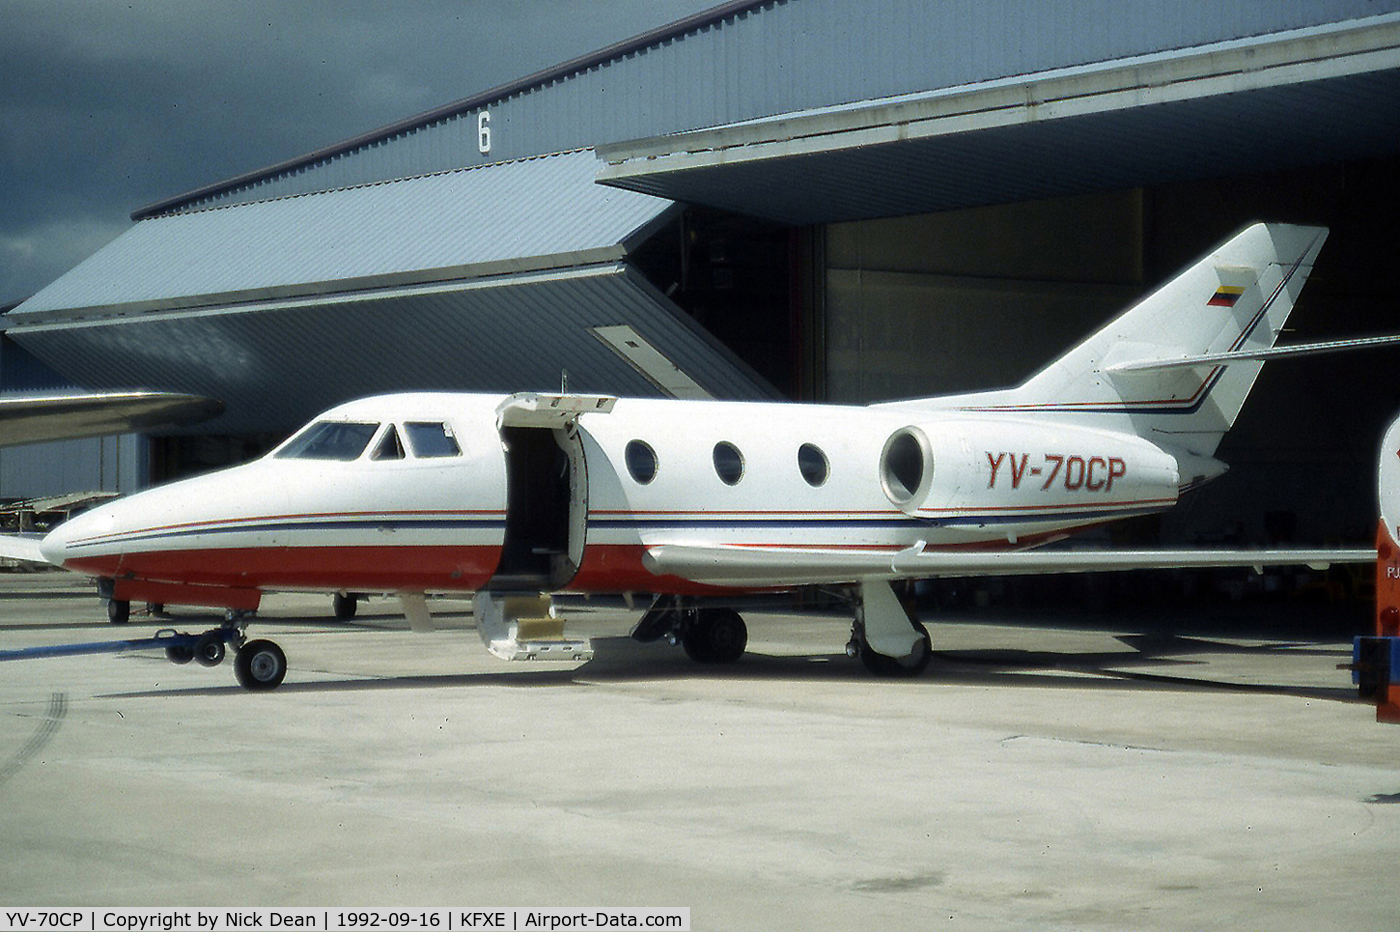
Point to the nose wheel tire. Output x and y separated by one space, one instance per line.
260 666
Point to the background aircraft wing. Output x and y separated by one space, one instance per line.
20 547
774 566
30 418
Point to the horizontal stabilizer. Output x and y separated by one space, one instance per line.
1273 352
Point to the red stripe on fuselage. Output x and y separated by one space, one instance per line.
606 568
379 568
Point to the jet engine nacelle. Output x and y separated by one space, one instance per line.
969 466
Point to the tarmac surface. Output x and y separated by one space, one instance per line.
1092 772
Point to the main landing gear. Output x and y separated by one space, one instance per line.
709 635
885 635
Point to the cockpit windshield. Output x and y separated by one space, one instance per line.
330 440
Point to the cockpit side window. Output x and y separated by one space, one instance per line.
431 438
389 446
330 440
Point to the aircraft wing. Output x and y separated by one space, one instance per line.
30 418
777 567
20 547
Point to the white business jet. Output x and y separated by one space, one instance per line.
694 502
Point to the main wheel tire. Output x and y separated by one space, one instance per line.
179 653
118 611
718 635
260 666
914 664
209 649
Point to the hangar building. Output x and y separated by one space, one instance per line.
810 199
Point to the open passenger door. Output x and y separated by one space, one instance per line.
546 489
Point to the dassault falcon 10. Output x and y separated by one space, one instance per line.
693 503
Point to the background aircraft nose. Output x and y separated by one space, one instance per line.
58 545
54 545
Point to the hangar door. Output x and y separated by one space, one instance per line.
973 299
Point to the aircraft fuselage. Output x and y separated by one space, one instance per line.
441 492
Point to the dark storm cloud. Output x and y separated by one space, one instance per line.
108 106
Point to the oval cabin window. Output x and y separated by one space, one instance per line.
813 465
641 461
729 463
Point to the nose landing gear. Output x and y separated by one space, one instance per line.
258 665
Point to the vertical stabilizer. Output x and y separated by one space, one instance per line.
1234 300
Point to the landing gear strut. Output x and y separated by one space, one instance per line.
885 635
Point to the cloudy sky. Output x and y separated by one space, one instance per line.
110 105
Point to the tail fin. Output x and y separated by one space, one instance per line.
1140 372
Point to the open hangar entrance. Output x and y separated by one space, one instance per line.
934 303
983 297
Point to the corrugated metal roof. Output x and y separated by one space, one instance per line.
276 364
534 213
1308 97
662 35
744 60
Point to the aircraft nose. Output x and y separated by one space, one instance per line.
76 535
